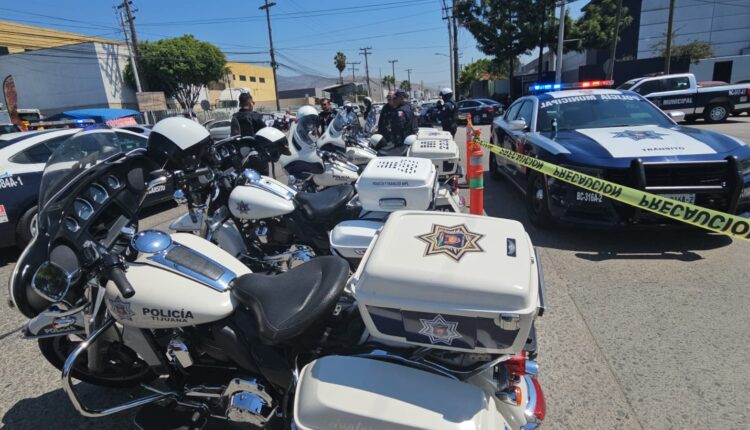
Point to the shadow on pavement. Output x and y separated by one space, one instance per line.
53 410
502 199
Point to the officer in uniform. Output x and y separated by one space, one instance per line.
397 122
448 112
326 114
246 122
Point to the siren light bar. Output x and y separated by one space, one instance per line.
584 84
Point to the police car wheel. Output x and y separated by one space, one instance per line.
716 113
536 201
26 228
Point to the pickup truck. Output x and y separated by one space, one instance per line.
682 93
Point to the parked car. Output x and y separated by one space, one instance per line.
219 129
143 129
621 137
428 115
482 112
9 128
681 93
23 156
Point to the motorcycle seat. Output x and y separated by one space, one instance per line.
285 305
396 151
321 205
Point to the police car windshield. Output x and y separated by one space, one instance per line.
628 85
76 154
597 111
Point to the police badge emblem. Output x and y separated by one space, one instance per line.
453 241
121 309
438 330
638 135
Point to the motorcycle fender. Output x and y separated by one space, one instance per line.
229 238
55 321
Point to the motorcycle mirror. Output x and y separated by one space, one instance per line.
51 281
161 180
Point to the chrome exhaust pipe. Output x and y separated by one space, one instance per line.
67 382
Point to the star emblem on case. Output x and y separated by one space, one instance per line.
121 309
243 207
453 241
638 135
438 330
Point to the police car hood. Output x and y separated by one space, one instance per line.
617 146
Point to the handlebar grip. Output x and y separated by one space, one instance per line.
117 275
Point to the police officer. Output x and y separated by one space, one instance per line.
326 114
246 122
397 122
368 107
447 111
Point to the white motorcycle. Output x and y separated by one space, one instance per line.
309 167
434 330
345 135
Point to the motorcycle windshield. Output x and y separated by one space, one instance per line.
345 118
71 159
371 121
305 132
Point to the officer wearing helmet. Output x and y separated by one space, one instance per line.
447 111
368 107
398 122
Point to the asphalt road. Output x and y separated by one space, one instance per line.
645 329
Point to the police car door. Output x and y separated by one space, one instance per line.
514 139
670 94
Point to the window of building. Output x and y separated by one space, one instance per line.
252 79
243 77
4 50
262 80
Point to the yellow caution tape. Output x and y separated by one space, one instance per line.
719 222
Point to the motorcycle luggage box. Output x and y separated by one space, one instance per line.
350 239
397 183
337 392
438 147
450 281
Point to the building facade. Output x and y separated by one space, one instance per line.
16 38
256 79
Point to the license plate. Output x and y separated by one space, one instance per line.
684 198
589 197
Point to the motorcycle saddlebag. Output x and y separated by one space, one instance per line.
439 147
350 239
395 183
337 392
450 281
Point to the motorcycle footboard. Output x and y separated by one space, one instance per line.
355 392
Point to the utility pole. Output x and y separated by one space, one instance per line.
366 52
393 66
541 42
613 54
408 73
353 69
456 69
560 39
267 7
133 66
133 36
450 46
668 50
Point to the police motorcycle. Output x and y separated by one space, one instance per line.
309 167
434 330
345 135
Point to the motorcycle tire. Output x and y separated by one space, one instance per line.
56 350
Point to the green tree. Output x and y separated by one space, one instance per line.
389 81
180 67
340 61
405 85
596 27
694 51
505 29
480 70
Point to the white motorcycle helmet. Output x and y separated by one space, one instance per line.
446 92
273 141
179 140
410 140
375 140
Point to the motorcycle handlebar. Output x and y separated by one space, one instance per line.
117 275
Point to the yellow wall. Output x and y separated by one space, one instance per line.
19 37
261 91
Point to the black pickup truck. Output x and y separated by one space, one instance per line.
682 93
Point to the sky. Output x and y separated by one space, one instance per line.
307 34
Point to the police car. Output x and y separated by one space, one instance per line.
23 156
621 137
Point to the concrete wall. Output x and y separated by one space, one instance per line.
723 23
71 77
704 70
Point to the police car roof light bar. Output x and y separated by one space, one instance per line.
574 85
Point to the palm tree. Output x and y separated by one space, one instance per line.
340 61
389 80
405 85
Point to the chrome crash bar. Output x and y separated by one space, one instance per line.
67 382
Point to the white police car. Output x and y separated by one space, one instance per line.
23 156
622 137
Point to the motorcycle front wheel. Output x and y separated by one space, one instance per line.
121 367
